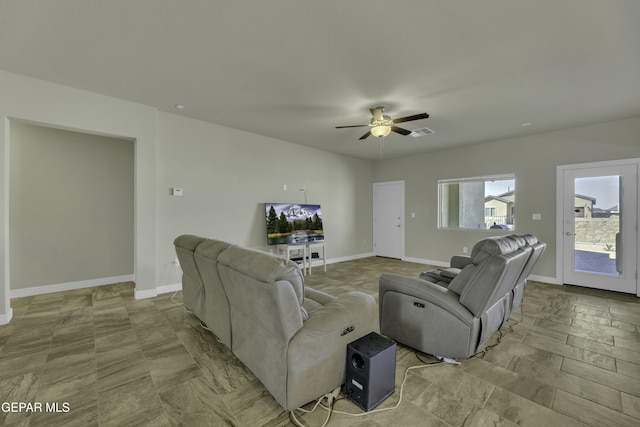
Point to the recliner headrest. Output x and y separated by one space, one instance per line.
530 239
492 245
520 241
188 242
264 267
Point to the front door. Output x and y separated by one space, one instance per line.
599 226
388 219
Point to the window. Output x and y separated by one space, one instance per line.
485 202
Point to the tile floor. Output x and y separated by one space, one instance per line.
573 359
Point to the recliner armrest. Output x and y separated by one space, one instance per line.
450 273
426 291
348 309
318 296
460 261
316 355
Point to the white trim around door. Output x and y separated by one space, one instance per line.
579 250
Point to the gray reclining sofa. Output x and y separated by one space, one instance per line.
292 337
455 319
458 262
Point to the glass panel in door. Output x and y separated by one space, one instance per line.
598 214
600 227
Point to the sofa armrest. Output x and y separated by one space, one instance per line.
316 355
426 291
460 261
318 296
330 320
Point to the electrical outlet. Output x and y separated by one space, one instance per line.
465 250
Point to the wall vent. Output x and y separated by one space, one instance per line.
421 132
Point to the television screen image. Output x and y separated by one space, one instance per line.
289 223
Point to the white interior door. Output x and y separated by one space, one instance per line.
599 226
388 219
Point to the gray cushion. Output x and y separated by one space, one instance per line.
192 286
216 303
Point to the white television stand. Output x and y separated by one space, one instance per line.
307 254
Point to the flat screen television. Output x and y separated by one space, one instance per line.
289 223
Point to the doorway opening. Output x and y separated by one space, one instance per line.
71 204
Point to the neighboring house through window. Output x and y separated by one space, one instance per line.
486 202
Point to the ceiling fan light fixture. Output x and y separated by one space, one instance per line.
380 131
382 125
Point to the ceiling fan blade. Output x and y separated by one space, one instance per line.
365 135
352 126
410 118
396 129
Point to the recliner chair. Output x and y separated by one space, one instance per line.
193 288
458 262
202 290
454 321
537 249
216 303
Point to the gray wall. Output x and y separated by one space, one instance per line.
71 206
227 175
533 159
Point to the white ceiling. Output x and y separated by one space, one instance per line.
295 69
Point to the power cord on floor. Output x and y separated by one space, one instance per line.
482 353
178 303
509 329
424 362
332 399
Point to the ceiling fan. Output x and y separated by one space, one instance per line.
382 125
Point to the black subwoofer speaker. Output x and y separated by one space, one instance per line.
371 370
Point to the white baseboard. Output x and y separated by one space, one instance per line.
349 258
426 261
169 288
146 293
545 279
69 286
6 318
